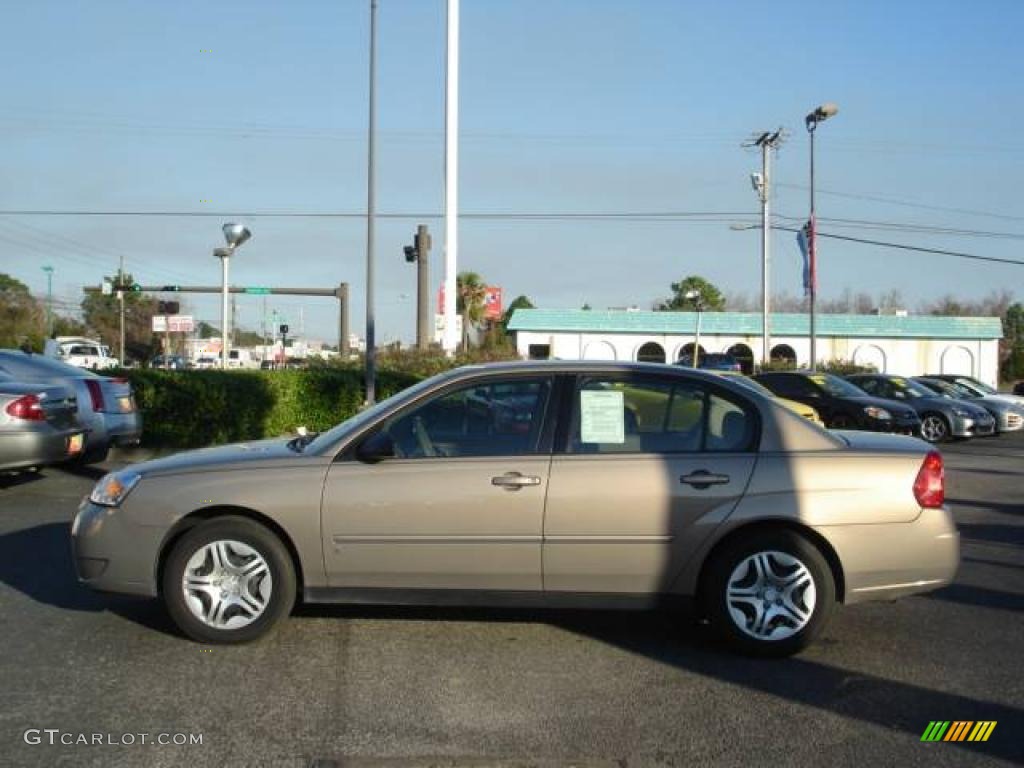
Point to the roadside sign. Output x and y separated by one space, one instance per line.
258 290
173 324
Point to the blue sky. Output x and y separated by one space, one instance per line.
567 106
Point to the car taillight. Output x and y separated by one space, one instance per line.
930 485
95 394
28 408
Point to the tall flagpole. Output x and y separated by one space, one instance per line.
451 178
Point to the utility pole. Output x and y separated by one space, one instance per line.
49 300
120 299
371 354
419 253
767 141
451 176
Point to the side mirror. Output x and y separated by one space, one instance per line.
376 448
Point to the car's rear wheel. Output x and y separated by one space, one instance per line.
769 593
934 428
228 580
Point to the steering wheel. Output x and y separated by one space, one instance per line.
422 438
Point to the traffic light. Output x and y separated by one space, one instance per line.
168 307
284 330
170 288
410 253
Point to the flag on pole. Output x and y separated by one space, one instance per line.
805 239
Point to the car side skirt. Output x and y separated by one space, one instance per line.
492 598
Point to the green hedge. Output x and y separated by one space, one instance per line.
195 408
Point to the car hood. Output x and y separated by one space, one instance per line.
892 406
1016 400
272 451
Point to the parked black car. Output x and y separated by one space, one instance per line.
841 404
941 418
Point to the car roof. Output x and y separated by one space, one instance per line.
583 366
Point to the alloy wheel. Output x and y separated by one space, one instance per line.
771 595
933 429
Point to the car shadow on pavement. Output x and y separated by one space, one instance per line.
18 478
37 562
980 596
991 534
691 647
1002 507
89 471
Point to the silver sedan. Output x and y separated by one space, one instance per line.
548 483
38 425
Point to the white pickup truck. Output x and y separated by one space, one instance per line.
81 352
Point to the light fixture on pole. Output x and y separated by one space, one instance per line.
698 304
819 115
235 235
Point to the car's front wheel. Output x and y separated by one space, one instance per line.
769 593
228 580
934 428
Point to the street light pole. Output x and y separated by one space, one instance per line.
767 141
450 339
235 235
822 113
698 303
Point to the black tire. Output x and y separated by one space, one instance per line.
260 539
935 428
731 556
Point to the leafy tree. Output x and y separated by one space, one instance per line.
68 326
102 315
471 293
711 298
1013 328
207 331
22 319
519 302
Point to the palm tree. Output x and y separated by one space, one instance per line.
471 293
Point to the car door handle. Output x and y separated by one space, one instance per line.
702 479
513 481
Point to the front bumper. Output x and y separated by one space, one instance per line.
890 560
966 426
897 426
113 554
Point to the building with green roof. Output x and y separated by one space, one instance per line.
905 344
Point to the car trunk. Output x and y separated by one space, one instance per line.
58 403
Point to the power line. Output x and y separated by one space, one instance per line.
904 247
907 203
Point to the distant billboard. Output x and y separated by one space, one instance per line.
492 302
173 324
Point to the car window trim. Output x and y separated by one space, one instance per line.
564 447
544 440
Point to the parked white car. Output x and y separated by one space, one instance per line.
81 352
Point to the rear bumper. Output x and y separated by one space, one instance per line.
32 448
123 428
890 560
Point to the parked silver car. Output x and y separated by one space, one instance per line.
1009 416
106 405
544 483
38 425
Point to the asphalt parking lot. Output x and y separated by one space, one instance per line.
376 686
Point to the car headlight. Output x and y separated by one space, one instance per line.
963 414
877 413
112 489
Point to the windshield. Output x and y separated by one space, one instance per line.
751 384
975 386
911 390
835 386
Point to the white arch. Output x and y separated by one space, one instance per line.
659 345
961 361
871 354
599 350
